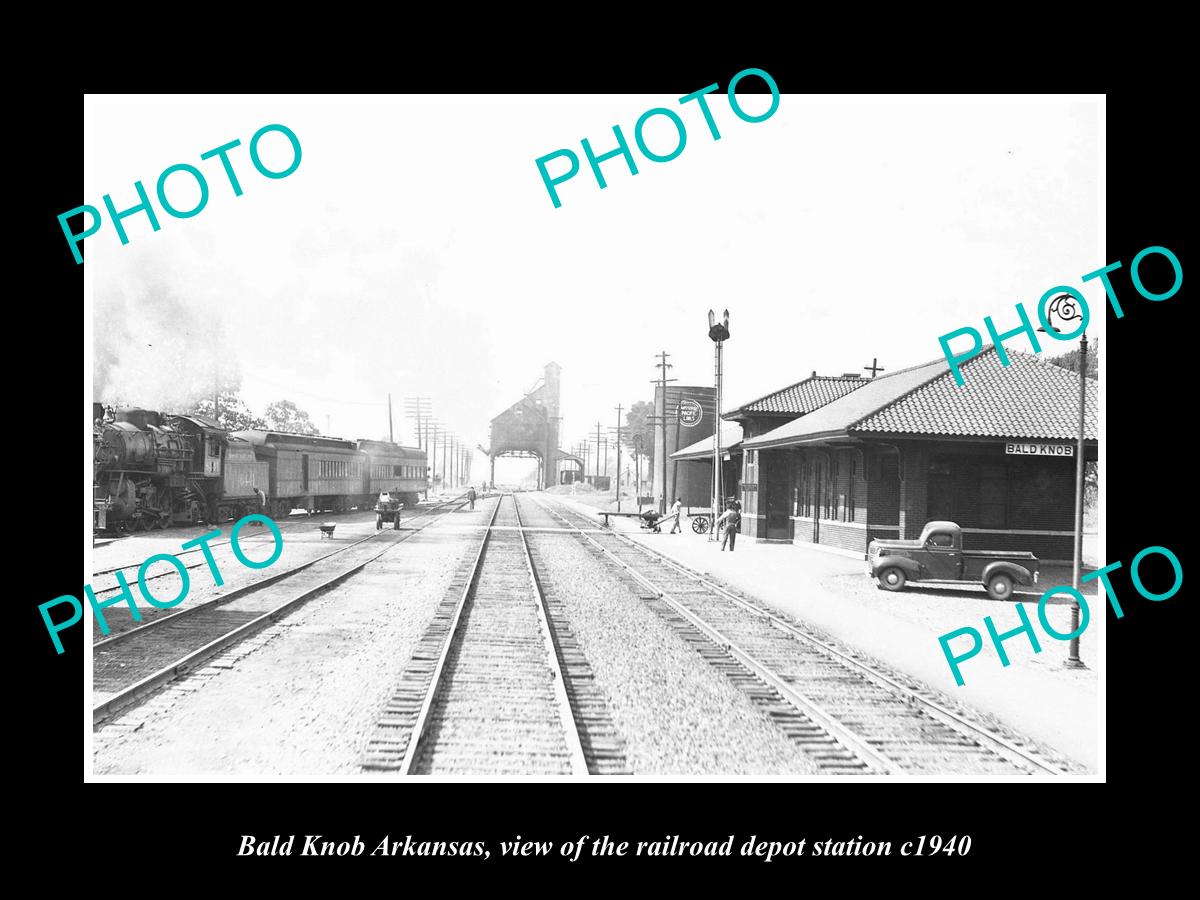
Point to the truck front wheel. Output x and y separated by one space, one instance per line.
892 579
999 587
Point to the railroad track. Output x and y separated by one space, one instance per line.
109 536
244 540
130 666
845 713
497 685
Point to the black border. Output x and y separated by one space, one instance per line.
1147 404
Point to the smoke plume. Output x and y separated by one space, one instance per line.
157 348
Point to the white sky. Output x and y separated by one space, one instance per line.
415 249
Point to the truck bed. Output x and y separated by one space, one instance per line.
990 555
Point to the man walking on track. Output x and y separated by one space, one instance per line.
262 503
471 496
731 519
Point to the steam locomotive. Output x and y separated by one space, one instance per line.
152 470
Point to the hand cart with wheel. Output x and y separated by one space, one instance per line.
388 511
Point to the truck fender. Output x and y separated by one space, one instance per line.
1019 574
910 568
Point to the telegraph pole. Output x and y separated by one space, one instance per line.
637 462
391 434
433 457
597 448
663 365
418 408
618 457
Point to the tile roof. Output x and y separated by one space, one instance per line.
731 436
802 397
1029 398
844 412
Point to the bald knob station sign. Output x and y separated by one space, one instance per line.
1015 449
690 413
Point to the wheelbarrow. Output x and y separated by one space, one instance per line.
327 529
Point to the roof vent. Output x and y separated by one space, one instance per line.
851 375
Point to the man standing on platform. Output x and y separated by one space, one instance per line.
676 511
731 518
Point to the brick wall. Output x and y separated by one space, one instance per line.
914 490
848 537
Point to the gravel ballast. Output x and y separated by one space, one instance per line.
305 701
677 715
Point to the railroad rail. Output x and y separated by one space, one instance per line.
849 716
301 524
497 684
135 663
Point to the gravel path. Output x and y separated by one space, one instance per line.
301 697
677 715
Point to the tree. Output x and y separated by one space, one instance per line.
232 412
639 420
284 415
1070 359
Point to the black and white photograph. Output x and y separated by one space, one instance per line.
727 434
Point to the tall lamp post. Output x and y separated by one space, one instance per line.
1065 308
718 333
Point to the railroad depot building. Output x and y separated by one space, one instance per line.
840 461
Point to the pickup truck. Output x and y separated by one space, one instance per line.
937 555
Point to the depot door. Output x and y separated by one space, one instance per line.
775 493
304 472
